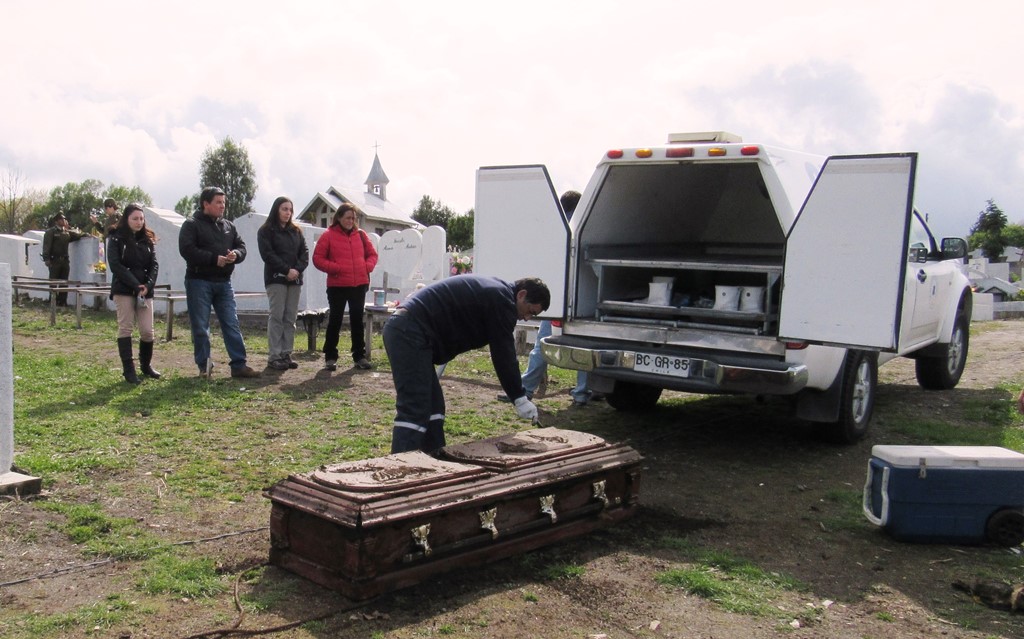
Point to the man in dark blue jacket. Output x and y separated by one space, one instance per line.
211 247
445 319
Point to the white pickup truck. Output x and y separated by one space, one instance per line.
710 265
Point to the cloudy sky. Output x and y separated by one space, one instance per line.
132 94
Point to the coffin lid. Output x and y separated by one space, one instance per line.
391 473
523 448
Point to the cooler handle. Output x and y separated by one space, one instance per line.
884 519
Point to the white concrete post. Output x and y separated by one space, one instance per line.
9 481
6 373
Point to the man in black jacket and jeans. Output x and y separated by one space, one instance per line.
211 247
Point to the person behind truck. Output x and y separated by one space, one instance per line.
445 319
56 256
536 367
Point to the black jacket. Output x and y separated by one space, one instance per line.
465 312
282 248
132 262
201 240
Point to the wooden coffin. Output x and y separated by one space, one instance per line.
367 527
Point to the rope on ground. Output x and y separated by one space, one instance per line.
235 630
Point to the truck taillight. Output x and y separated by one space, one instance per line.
750 150
679 152
796 346
615 154
644 153
716 151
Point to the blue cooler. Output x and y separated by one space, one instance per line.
947 494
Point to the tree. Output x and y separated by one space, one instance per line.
431 213
992 219
1014 235
987 232
124 195
228 167
458 227
187 205
460 231
78 200
14 207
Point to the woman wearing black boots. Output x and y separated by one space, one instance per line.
131 258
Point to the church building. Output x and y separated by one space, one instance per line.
376 214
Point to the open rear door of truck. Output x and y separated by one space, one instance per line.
519 229
846 254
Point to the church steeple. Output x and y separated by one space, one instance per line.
377 181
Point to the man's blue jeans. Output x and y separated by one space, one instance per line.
536 367
202 296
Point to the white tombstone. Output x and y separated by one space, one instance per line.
19 251
10 481
166 224
434 262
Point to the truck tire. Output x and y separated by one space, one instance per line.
943 372
857 399
632 397
1005 527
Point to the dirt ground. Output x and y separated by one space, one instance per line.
731 475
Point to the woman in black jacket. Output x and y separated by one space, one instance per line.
285 257
131 257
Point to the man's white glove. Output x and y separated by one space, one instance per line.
525 408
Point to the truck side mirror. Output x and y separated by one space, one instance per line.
954 248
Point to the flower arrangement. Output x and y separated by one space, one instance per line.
460 264
99 267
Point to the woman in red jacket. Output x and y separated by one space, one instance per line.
347 255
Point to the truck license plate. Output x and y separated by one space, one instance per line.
662 365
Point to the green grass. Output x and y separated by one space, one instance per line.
185 577
734 584
182 445
99 618
104 536
563 571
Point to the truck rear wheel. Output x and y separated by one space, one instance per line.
1005 527
857 400
943 372
629 396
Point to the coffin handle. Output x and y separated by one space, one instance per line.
487 518
547 506
599 492
419 537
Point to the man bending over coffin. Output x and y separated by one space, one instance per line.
445 319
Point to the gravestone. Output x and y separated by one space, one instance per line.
434 266
10 481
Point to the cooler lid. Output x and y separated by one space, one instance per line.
523 448
391 473
989 457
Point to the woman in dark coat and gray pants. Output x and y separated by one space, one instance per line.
131 258
285 257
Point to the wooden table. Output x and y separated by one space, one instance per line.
374 315
177 296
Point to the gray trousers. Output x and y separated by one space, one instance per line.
284 306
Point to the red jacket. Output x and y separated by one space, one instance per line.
347 258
